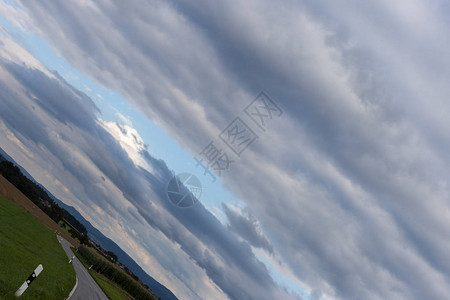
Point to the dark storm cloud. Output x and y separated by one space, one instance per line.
82 111
246 227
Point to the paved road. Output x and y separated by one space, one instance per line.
87 288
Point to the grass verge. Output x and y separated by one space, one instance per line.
125 280
24 244
112 291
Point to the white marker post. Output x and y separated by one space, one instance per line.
29 280
91 267
71 259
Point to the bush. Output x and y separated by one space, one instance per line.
115 274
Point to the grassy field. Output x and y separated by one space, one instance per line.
66 228
11 193
115 275
112 291
24 244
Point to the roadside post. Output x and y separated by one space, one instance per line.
29 280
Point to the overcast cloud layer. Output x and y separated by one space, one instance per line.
60 124
348 189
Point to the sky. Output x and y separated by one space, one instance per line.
339 190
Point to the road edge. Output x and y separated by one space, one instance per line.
74 288
76 278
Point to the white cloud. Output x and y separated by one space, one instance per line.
78 159
350 185
130 140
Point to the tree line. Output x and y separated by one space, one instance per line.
41 198
115 274
123 277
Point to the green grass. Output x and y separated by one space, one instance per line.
65 227
24 244
112 291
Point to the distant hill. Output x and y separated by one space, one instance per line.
5 156
158 289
